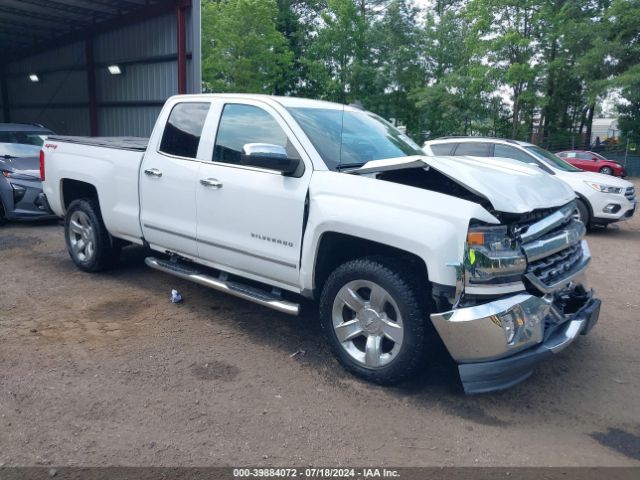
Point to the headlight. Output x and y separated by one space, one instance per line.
491 257
601 187
18 192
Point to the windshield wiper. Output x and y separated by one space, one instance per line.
348 165
7 156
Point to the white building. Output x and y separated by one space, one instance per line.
604 128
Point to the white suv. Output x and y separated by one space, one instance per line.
602 199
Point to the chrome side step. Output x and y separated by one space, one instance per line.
240 290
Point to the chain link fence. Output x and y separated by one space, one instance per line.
625 151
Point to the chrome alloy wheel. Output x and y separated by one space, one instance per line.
82 237
367 323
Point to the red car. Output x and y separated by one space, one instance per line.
592 162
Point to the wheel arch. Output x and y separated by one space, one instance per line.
335 248
74 189
587 204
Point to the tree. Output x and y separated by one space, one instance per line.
242 49
504 34
338 59
458 96
622 47
396 42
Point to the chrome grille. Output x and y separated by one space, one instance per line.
630 193
554 250
554 268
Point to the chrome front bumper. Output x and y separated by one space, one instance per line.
483 377
497 343
476 338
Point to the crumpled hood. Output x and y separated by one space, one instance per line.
510 186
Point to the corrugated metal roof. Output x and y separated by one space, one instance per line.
29 25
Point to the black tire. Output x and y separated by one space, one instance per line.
3 214
410 295
606 170
583 213
106 251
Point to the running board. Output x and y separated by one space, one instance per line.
240 290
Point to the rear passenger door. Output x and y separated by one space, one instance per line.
168 179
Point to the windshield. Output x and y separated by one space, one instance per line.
25 138
346 138
554 160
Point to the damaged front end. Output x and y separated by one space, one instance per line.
520 298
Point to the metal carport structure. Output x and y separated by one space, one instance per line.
59 62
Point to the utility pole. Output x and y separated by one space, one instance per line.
626 152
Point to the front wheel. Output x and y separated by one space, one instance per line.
373 312
606 170
88 241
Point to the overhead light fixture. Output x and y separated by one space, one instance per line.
34 78
115 69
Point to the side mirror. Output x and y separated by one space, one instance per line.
268 156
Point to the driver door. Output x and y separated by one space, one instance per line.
249 219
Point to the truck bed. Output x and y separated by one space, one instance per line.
136 144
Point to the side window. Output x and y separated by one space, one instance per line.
474 148
182 132
506 151
584 156
242 124
441 148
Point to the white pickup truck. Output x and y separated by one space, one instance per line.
272 199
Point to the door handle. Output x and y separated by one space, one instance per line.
153 172
211 182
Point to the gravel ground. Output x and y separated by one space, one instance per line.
104 370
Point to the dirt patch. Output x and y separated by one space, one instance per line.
215 370
115 310
474 413
9 241
619 440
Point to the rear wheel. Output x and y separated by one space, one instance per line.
373 312
606 170
89 244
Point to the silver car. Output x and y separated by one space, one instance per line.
21 196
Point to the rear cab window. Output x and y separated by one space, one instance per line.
476 149
441 148
182 133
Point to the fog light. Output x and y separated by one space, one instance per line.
18 193
509 326
520 328
611 208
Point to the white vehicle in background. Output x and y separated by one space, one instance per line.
274 198
602 199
